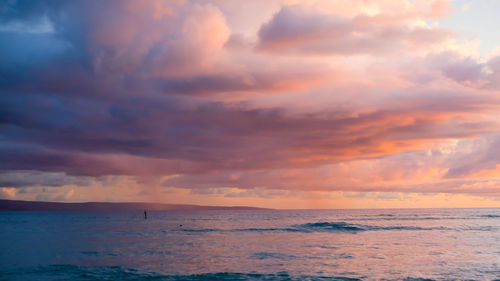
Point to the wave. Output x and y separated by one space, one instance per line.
85 273
407 218
347 227
490 216
332 226
389 217
318 227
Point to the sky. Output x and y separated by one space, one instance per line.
276 103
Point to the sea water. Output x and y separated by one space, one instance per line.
411 244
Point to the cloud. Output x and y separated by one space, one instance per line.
298 30
478 156
182 94
222 136
469 71
37 178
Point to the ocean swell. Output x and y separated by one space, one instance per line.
85 273
332 227
316 227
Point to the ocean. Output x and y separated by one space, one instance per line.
402 244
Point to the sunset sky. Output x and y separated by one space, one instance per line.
273 103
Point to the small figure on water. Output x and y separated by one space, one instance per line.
145 215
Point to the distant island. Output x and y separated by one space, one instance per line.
19 205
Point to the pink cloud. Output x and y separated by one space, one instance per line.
321 96
295 30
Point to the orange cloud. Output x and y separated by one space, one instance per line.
312 103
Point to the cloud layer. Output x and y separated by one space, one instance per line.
320 96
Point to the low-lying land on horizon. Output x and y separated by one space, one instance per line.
19 205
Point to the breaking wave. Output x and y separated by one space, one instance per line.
318 227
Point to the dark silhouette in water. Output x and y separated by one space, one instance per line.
145 215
